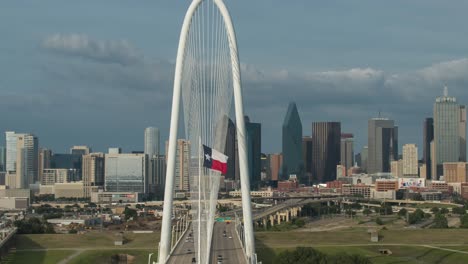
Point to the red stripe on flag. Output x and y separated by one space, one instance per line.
219 166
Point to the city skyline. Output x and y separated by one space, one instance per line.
355 80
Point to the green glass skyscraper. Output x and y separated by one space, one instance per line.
292 145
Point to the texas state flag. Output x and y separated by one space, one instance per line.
214 160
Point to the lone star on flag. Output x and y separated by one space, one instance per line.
207 157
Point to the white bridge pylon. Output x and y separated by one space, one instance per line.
207 76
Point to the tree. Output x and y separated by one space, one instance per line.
440 221
435 210
459 210
303 255
130 213
418 197
402 212
366 211
464 221
386 209
379 221
344 258
444 210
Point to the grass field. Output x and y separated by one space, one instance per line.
400 254
45 257
104 256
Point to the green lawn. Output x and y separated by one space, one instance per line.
104 256
405 254
88 240
43 257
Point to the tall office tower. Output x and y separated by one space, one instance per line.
358 160
455 172
307 158
52 176
428 136
347 151
265 168
114 151
92 171
410 160
45 157
462 131
156 177
80 150
182 173
364 158
151 141
447 116
292 145
11 138
276 160
396 168
254 145
126 173
382 143
230 148
72 162
27 160
326 139
2 159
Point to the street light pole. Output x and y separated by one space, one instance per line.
149 258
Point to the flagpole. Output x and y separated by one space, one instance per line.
200 154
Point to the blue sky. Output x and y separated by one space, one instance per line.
339 60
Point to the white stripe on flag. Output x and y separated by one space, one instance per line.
216 155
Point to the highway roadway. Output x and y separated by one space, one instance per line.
229 247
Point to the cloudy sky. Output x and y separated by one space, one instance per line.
99 72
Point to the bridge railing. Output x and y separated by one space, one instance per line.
240 235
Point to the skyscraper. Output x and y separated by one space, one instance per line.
2 158
447 132
428 137
182 168
151 141
27 160
364 158
254 145
462 131
126 173
292 145
382 144
347 151
230 148
326 137
307 158
80 150
275 165
45 158
157 176
410 160
11 138
92 171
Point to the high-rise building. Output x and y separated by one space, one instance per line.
151 141
292 145
276 161
428 137
182 167
396 168
72 162
52 176
80 150
2 159
326 139
382 144
27 160
157 176
230 148
447 132
364 158
11 138
126 173
307 158
45 157
462 132
410 160
347 151
92 171
254 146
455 172
114 151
